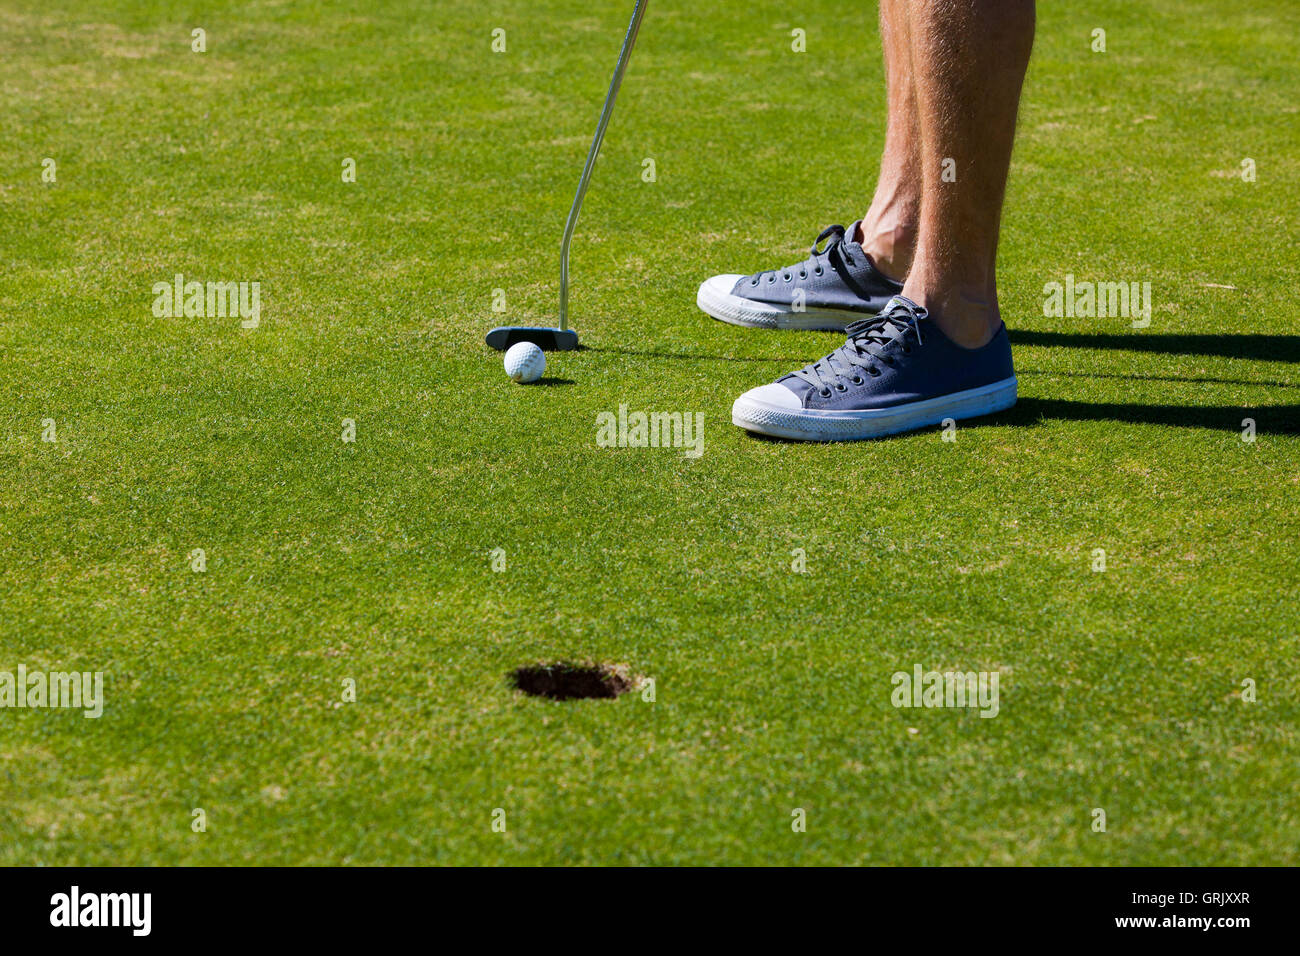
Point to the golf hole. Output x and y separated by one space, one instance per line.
569 681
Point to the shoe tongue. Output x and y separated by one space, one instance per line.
878 327
851 235
903 302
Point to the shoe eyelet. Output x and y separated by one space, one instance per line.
818 270
857 380
841 387
803 275
825 393
771 278
786 277
754 281
874 371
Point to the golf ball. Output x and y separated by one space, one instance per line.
525 362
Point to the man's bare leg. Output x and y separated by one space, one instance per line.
889 229
968 60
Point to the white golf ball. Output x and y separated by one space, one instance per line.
525 362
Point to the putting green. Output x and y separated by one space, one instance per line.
333 686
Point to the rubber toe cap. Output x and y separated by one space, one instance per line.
774 395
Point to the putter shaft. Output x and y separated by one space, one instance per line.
632 29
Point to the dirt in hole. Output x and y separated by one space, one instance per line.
565 680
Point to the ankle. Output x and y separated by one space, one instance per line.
890 248
969 316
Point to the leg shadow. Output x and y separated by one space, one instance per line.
1269 419
1264 348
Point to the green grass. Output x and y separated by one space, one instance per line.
370 561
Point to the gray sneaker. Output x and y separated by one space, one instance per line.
897 372
827 291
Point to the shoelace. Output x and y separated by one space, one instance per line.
836 246
865 348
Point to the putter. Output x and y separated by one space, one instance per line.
565 338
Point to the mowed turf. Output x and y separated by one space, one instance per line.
371 561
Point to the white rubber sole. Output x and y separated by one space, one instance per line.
809 424
715 299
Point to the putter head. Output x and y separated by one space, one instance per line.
548 340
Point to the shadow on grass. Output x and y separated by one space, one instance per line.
797 362
549 381
1266 348
1195 380
1269 419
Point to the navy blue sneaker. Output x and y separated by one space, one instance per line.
828 290
896 372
